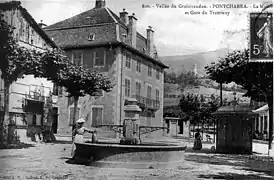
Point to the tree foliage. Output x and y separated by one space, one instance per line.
255 77
198 109
77 80
51 64
15 60
184 79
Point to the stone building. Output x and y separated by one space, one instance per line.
28 96
101 40
261 123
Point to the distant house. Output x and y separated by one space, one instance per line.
101 40
28 96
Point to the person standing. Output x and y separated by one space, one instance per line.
77 134
197 141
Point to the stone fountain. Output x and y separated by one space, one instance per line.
130 152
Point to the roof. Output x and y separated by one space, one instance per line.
234 109
102 22
261 109
172 118
74 37
17 4
94 16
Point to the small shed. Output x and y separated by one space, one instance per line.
177 126
234 129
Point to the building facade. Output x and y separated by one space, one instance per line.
28 96
261 123
101 40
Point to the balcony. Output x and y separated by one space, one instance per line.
144 102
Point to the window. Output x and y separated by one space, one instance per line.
97 116
71 110
60 91
157 74
149 70
157 95
99 58
91 37
262 122
265 122
57 90
138 88
128 61
27 33
77 58
149 88
149 101
127 87
149 122
138 65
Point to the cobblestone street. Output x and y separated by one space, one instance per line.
49 161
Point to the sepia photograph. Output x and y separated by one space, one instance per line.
136 89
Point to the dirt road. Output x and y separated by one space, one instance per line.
49 161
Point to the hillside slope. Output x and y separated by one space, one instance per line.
185 63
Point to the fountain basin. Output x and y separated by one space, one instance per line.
148 155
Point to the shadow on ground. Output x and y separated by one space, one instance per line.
202 151
233 176
61 142
256 165
77 161
20 145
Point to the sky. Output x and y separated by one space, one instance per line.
175 32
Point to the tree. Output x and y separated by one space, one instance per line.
15 61
170 77
52 64
255 78
189 105
77 81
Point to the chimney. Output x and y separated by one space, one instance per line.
150 41
132 29
100 3
124 16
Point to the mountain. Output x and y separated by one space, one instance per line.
185 63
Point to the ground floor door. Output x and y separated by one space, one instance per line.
149 118
55 120
181 127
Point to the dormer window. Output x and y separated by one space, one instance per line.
91 37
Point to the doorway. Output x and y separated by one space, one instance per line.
181 127
55 120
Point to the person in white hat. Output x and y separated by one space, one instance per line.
77 134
